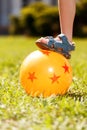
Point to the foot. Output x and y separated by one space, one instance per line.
59 44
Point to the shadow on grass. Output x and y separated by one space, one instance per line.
77 95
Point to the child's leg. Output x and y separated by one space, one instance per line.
67 14
62 43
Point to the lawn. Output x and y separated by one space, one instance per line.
19 111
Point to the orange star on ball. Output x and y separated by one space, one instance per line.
66 68
55 78
32 76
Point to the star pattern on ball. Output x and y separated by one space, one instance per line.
54 78
46 52
32 76
66 68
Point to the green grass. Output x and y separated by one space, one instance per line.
19 111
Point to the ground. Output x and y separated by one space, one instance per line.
19 111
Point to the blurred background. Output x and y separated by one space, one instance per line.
38 17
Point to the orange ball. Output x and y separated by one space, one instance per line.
45 73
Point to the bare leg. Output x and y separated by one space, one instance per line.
60 44
67 14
